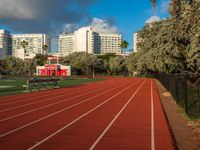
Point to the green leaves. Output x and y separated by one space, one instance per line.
124 44
172 45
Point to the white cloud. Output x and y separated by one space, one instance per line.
103 26
153 19
70 27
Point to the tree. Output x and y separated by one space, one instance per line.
40 59
24 44
159 54
172 45
117 65
13 66
153 2
44 49
82 62
131 62
124 44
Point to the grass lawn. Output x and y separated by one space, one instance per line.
11 86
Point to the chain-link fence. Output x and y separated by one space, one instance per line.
185 89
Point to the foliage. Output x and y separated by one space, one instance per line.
12 66
171 45
153 2
124 44
117 65
40 59
83 62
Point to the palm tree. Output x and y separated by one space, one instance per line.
124 44
153 2
23 45
44 49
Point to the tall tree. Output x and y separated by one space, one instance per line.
153 2
124 44
44 49
24 44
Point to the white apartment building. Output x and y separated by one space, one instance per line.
34 45
87 40
5 43
110 43
66 44
135 41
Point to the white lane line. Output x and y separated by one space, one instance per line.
28 99
115 118
33 110
77 119
71 92
152 120
55 113
46 94
5 110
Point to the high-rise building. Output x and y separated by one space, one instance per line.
66 44
87 40
135 41
84 38
33 43
110 43
5 43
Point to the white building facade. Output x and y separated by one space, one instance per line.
5 43
110 43
135 41
34 45
87 40
66 44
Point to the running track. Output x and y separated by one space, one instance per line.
117 113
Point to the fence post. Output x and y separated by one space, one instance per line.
186 93
176 88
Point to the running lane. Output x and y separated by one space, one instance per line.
125 114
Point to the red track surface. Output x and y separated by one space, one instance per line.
118 113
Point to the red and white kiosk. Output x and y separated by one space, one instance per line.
55 69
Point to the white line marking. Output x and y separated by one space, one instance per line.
50 115
46 94
28 99
77 119
118 114
152 120
33 110
73 92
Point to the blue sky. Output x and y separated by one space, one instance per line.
51 17
128 15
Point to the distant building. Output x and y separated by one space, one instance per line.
110 43
5 43
66 44
135 41
87 40
34 45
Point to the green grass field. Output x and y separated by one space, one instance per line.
11 86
